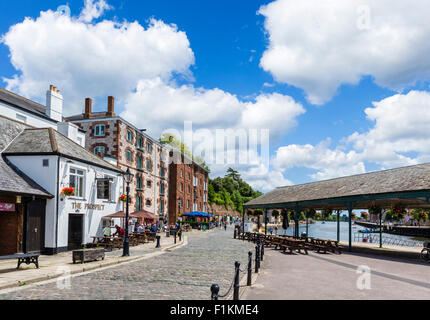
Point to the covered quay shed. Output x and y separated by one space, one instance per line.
405 186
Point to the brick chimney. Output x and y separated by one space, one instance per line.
111 106
88 106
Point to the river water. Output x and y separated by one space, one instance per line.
328 230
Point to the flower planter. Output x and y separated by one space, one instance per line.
88 255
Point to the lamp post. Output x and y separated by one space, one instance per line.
179 207
128 176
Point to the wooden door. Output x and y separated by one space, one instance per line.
35 235
76 227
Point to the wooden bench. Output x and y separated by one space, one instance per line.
292 245
26 258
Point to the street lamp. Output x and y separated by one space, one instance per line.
128 176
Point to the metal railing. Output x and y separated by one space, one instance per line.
386 239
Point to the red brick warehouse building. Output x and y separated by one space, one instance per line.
126 146
188 189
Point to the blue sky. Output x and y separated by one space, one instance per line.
325 73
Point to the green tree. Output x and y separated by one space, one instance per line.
233 174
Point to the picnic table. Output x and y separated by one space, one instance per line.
107 242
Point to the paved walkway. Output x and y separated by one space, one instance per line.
186 272
329 276
55 265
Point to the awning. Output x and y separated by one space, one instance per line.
120 214
197 214
145 215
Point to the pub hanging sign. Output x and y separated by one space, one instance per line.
10 207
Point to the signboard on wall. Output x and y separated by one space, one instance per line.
10 207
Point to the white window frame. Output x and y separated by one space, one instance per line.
97 147
80 182
111 191
98 127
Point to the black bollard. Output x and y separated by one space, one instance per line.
236 281
214 292
257 258
158 242
180 235
249 268
175 236
262 250
234 233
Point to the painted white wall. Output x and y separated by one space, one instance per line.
47 178
72 132
31 119
54 104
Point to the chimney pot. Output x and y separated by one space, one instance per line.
88 106
111 106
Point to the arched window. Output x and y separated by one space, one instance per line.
138 203
99 149
129 156
139 162
139 182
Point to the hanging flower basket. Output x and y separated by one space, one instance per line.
123 198
68 191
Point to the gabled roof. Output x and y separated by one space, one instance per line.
24 104
13 181
393 181
50 141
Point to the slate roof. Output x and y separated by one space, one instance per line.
50 141
24 104
13 181
404 179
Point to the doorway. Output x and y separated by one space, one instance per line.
35 231
76 228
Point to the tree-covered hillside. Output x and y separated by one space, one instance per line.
231 191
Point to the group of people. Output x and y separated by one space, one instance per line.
139 227
120 232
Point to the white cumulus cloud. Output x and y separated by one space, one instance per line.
87 59
320 45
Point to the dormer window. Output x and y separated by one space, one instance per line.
99 130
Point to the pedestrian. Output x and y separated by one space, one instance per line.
140 228
107 231
119 231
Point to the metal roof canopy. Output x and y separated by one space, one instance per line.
407 186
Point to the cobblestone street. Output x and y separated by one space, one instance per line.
185 273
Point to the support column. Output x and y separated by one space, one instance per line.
307 225
350 226
338 225
265 221
380 229
296 221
